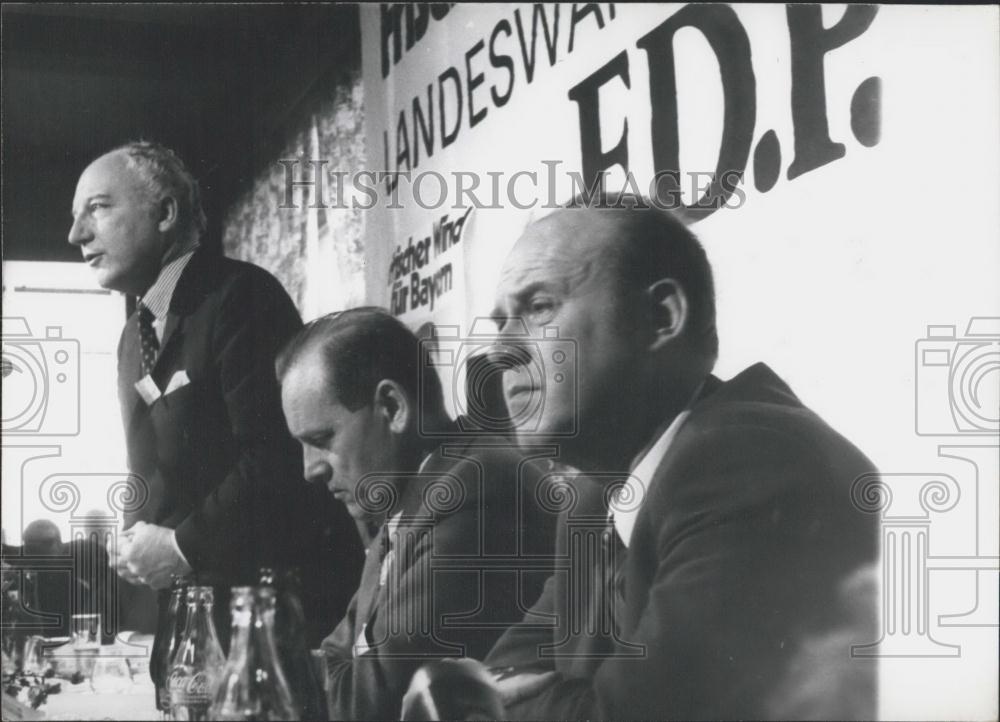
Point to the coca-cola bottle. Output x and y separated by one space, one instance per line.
290 639
197 663
253 685
168 637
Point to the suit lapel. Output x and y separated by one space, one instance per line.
194 283
130 371
415 517
369 587
170 328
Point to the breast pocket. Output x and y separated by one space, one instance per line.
177 416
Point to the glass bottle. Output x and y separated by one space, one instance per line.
290 640
168 637
253 685
197 663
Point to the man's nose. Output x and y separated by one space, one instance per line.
513 344
512 327
317 469
79 232
509 354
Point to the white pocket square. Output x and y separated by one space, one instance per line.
147 389
178 381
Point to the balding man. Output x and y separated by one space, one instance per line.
218 481
43 538
712 533
461 528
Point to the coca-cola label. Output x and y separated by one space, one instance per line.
189 688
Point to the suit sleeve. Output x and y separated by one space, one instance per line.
748 555
411 630
519 645
338 645
246 511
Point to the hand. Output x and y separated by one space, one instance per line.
461 689
517 686
149 556
117 546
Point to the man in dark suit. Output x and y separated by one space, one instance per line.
217 486
459 520
49 592
711 537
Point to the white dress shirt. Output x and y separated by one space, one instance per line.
157 298
629 498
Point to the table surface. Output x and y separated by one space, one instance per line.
80 702
135 701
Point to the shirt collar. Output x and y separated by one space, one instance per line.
630 497
392 525
395 516
157 298
425 462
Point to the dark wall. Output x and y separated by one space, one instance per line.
217 83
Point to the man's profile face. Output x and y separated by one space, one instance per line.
558 276
115 226
340 447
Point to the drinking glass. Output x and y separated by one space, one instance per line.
111 675
86 631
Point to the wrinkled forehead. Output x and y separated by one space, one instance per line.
108 175
569 247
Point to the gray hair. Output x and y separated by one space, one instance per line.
164 174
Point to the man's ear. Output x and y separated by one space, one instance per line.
393 405
167 214
669 309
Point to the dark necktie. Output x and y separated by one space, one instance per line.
148 343
613 568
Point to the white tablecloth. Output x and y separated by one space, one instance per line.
80 702
135 701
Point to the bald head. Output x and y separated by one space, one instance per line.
574 249
630 248
630 290
42 537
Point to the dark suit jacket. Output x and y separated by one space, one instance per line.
458 573
731 577
213 458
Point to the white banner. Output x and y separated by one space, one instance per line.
840 166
